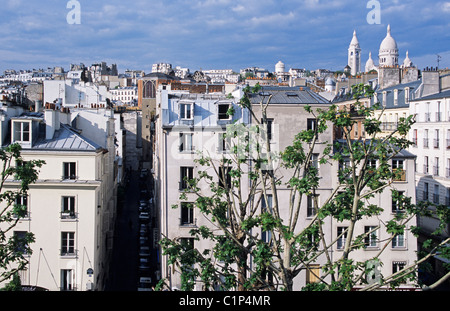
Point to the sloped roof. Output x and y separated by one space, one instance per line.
66 139
288 95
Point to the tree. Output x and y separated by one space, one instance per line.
21 174
239 206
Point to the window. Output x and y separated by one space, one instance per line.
187 243
371 236
68 207
21 131
313 274
186 173
67 243
223 112
371 166
447 174
436 139
425 192
397 266
398 241
268 129
311 124
315 160
187 213
396 206
69 170
224 143
425 164
436 166
342 236
436 194
21 245
397 168
224 177
23 201
186 142
67 280
266 207
425 139
186 111
415 138
311 205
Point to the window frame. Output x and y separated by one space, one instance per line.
67 171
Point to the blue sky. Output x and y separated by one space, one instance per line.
217 34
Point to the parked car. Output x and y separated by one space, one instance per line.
144 263
145 284
144 216
144 251
143 240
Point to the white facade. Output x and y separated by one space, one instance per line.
354 55
75 93
431 135
126 95
187 123
71 207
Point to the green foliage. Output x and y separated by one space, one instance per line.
15 249
245 232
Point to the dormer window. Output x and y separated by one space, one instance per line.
186 111
223 111
21 132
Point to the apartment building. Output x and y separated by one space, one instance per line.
287 115
431 137
187 123
71 207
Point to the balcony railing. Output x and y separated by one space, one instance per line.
436 170
425 142
436 143
389 126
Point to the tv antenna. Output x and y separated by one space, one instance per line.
438 60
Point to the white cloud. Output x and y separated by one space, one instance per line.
446 7
276 19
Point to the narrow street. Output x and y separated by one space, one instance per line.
134 263
124 267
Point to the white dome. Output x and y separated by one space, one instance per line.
370 65
330 81
407 62
388 54
389 43
279 67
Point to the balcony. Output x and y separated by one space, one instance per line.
436 170
438 116
389 126
436 143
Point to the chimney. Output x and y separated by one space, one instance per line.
430 81
51 116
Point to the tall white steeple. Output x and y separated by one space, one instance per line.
354 55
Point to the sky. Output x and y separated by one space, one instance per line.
217 34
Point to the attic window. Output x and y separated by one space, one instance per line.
186 111
223 111
21 131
